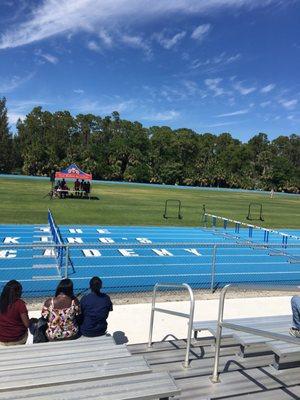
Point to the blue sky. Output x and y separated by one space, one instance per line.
209 65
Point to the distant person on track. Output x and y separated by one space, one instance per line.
95 308
295 304
62 312
14 320
272 193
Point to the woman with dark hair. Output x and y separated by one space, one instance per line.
14 321
95 308
61 313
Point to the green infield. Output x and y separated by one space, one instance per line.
26 201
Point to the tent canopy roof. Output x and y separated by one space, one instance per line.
73 172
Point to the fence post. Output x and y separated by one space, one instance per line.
213 269
66 261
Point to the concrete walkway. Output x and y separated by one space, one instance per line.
130 323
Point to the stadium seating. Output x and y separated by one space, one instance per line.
85 368
286 354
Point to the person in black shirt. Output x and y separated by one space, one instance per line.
76 187
88 187
95 308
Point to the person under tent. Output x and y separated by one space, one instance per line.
88 188
77 187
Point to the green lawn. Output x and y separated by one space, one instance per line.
22 201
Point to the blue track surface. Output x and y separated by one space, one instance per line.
135 258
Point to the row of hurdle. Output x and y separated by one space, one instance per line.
238 224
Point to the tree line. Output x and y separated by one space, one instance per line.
112 148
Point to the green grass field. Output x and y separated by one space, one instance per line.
23 202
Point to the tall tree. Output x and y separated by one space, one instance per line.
116 149
6 160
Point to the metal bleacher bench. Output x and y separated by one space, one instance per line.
271 332
253 344
94 368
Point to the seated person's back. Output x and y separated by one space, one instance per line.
76 185
14 319
95 308
61 313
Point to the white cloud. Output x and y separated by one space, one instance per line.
243 90
191 87
200 32
214 85
268 88
234 113
211 63
162 116
169 42
216 125
78 91
50 58
106 38
105 106
14 117
9 84
19 109
288 104
94 46
265 103
56 17
136 42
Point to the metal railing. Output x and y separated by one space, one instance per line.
189 316
215 378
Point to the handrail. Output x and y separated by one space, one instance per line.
230 325
189 316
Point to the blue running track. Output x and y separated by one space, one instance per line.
132 259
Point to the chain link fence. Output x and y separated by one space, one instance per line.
130 270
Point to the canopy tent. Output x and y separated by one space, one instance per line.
73 172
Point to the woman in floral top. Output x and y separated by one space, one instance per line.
61 313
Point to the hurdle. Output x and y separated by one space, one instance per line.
251 228
175 202
260 206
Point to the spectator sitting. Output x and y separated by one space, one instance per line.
95 308
64 189
76 186
57 185
61 313
14 321
295 303
87 187
82 185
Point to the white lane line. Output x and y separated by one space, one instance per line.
159 276
169 264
